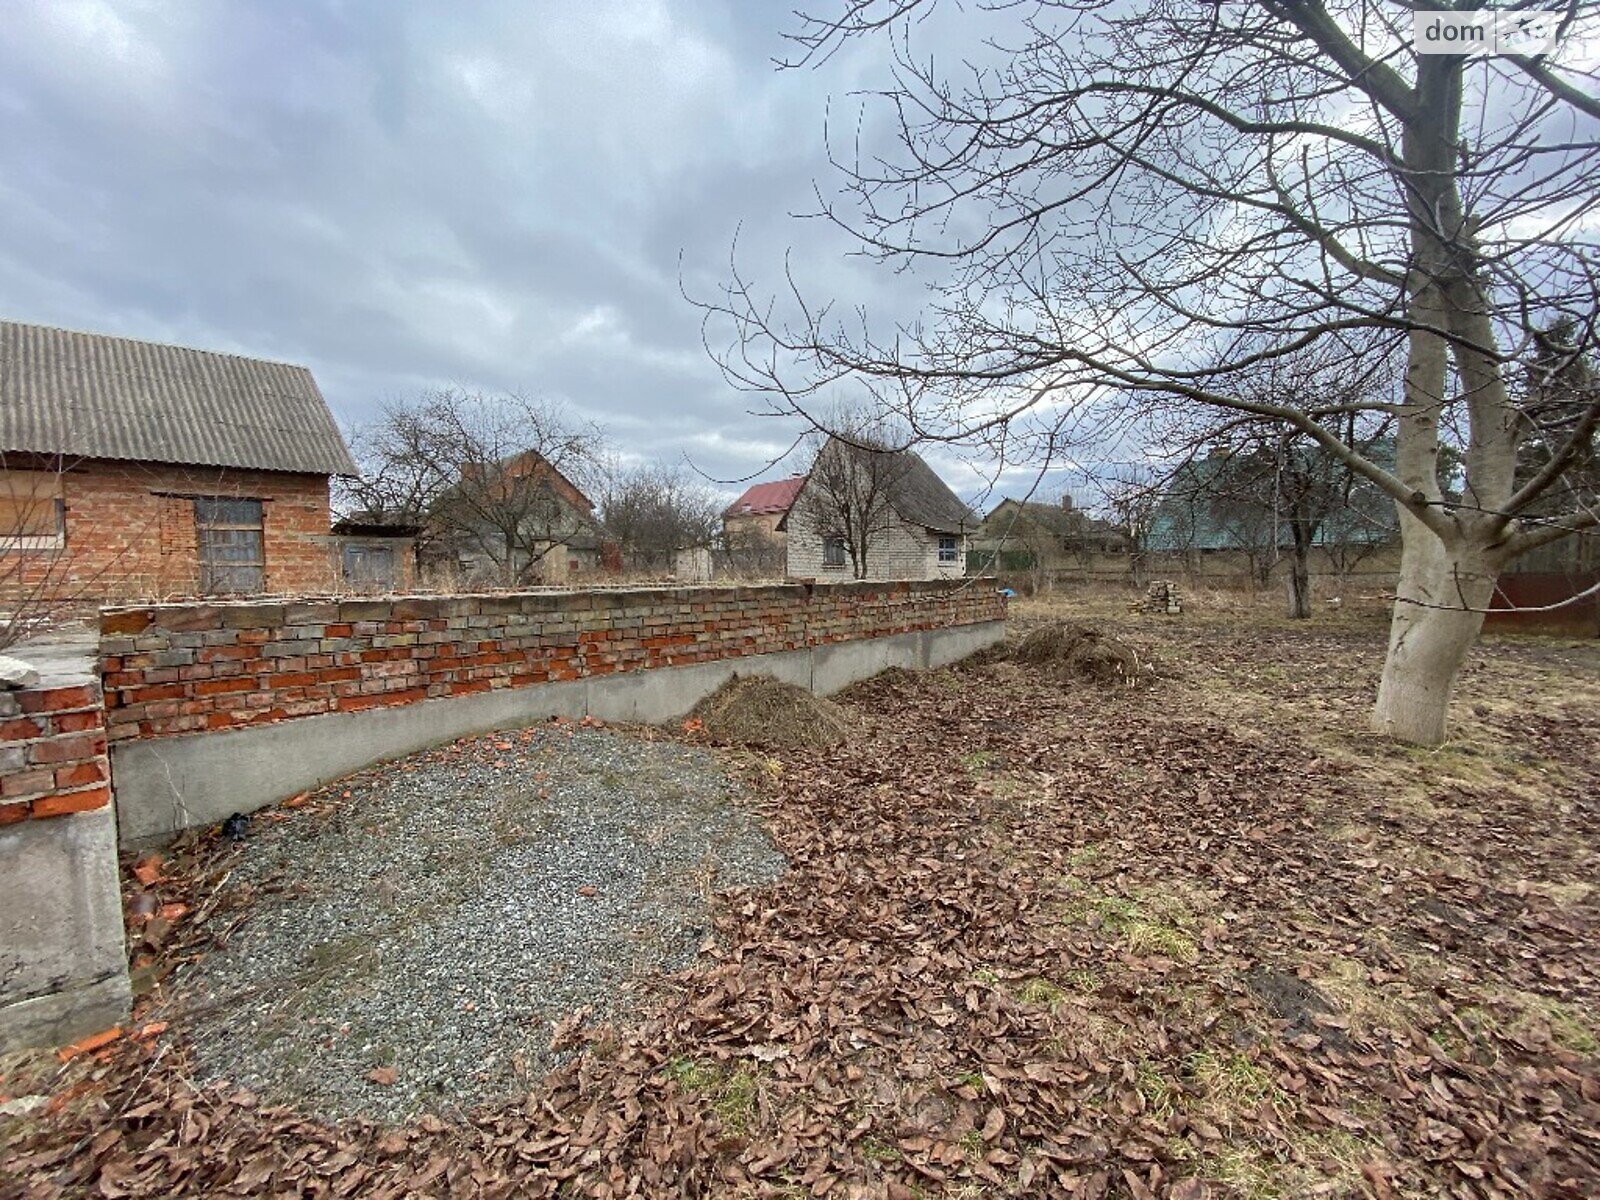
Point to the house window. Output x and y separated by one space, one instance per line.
833 552
948 552
369 567
232 554
32 515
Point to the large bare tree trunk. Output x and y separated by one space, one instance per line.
1437 617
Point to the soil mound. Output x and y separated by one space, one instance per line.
758 711
1074 651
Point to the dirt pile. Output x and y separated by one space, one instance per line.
757 711
1074 651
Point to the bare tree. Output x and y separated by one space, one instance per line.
493 481
44 579
654 510
36 584
848 496
1150 201
751 552
1129 493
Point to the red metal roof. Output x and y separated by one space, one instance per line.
766 497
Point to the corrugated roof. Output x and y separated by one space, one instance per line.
915 492
766 497
922 498
90 395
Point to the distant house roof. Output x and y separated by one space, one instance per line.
530 464
762 499
90 395
1198 510
1054 519
914 491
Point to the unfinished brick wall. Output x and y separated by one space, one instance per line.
175 669
130 533
52 752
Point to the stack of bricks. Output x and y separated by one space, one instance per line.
52 752
175 669
1162 597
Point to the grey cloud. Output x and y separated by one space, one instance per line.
501 195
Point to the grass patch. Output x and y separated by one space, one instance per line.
1154 924
1533 1014
1326 1163
1082 980
1367 1004
879 1151
1161 1094
979 760
1041 992
731 1093
1234 1086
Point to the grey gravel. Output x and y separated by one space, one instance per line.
435 921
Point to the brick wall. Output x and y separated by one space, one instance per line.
52 752
184 668
130 533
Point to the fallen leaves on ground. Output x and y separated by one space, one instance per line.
1205 939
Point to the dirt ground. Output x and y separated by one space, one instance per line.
1205 937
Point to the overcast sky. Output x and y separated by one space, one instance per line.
495 195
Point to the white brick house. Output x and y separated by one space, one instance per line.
875 514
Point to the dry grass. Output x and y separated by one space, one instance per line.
1074 650
758 711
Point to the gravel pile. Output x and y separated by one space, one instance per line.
413 933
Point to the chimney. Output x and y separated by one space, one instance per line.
1066 501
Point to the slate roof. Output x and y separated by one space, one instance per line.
922 498
1047 516
91 395
1010 517
765 498
915 492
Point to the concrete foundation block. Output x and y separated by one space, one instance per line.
945 646
836 666
63 965
169 784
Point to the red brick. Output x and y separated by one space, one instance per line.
21 729
59 699
72 748
221 687
77 722
147 695
10 814
71 802
27 783
81 774
136 621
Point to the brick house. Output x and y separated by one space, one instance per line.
135 470
755 516
515 522
875 514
